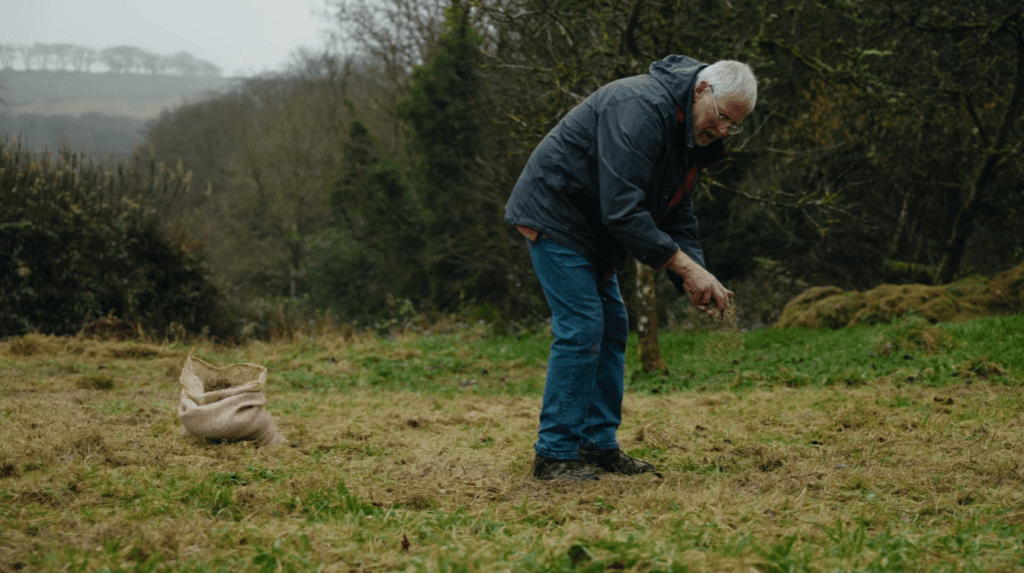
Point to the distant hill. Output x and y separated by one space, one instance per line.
101 136
103 113
59 91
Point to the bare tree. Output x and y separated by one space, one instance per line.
149 62
63 55
396 36
8 56
280 177
116 58
999 139
35 56
84 58
26 53
184 63
263 156
208 69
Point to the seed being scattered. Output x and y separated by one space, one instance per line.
726 335
729 313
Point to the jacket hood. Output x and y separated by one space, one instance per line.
678 74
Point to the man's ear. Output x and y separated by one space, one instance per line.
699 90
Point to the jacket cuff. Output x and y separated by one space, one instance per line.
667 261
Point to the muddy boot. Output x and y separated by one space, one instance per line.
616 462
568 470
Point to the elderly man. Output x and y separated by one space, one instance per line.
614 177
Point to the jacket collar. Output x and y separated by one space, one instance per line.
711 153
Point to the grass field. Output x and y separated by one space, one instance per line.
865 449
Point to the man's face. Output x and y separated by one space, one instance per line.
707 126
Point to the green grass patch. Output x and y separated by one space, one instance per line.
850 356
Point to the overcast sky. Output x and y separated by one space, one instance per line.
243 37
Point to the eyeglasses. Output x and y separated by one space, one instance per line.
734 128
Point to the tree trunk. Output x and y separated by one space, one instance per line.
651 359
962 227
995 157
901 223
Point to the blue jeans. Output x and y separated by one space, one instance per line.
583 393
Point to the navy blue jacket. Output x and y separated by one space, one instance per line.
615 175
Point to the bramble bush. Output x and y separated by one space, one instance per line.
79 242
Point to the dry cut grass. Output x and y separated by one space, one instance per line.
878 475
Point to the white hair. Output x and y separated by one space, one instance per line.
731 77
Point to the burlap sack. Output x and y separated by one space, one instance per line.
225 403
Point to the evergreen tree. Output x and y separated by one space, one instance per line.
445 114
369 259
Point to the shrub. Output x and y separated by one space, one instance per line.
79 242
912 333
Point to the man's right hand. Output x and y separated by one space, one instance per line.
704 290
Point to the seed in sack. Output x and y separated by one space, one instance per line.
217 384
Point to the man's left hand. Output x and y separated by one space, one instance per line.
704 290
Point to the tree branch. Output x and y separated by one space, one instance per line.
969 105
518 67
800 204
810 62
629 37
1016 103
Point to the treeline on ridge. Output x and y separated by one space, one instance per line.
116 59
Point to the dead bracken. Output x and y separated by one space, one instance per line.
968 299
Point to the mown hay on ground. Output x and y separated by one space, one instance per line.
968 299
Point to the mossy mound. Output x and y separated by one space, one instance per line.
973 297
1004 294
